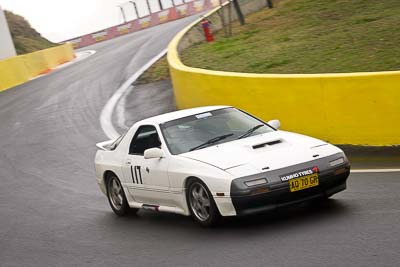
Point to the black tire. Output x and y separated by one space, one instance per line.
213 216
118 204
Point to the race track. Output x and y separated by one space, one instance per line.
53 214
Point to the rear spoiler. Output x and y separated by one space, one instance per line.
105 145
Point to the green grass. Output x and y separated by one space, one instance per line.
26 39
308 36
157 72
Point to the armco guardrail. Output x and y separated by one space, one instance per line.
163 16
350 108
20 69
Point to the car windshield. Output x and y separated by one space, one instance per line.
210 128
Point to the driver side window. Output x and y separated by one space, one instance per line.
145 137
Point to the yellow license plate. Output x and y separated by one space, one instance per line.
304 182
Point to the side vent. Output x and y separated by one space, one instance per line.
271 143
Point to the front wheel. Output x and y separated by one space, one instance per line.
201 204
116 197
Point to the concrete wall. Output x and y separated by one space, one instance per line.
7 48
349 108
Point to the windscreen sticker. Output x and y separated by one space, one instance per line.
203 115
184 126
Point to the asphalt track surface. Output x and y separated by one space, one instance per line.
53 214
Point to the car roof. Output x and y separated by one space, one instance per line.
179 114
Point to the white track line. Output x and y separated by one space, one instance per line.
120 109
374 170
79 56
108 109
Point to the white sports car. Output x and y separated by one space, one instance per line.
215 161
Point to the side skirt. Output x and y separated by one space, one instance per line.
156 208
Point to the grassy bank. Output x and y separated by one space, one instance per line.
305 36
26 39
308 36
157 72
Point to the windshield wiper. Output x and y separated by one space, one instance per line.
211 141
250 131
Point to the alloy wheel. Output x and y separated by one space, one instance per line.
200 202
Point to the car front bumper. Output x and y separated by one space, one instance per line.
275 195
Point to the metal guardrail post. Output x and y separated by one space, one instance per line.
222 17
239 12
160 3
123 13
148 6
135 7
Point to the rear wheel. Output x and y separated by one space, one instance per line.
116 196
201 204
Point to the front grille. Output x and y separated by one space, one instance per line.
253 203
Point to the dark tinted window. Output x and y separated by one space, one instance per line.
146 137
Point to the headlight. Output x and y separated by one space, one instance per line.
256 182
336 162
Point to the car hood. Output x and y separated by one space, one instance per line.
263 152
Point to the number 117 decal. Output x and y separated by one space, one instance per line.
136 175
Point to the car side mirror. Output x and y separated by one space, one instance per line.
275 124
153 153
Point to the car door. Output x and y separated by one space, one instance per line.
148 178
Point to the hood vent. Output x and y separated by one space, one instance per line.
270 143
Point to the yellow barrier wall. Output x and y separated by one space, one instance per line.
20 69
12 72
353 108
35 63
